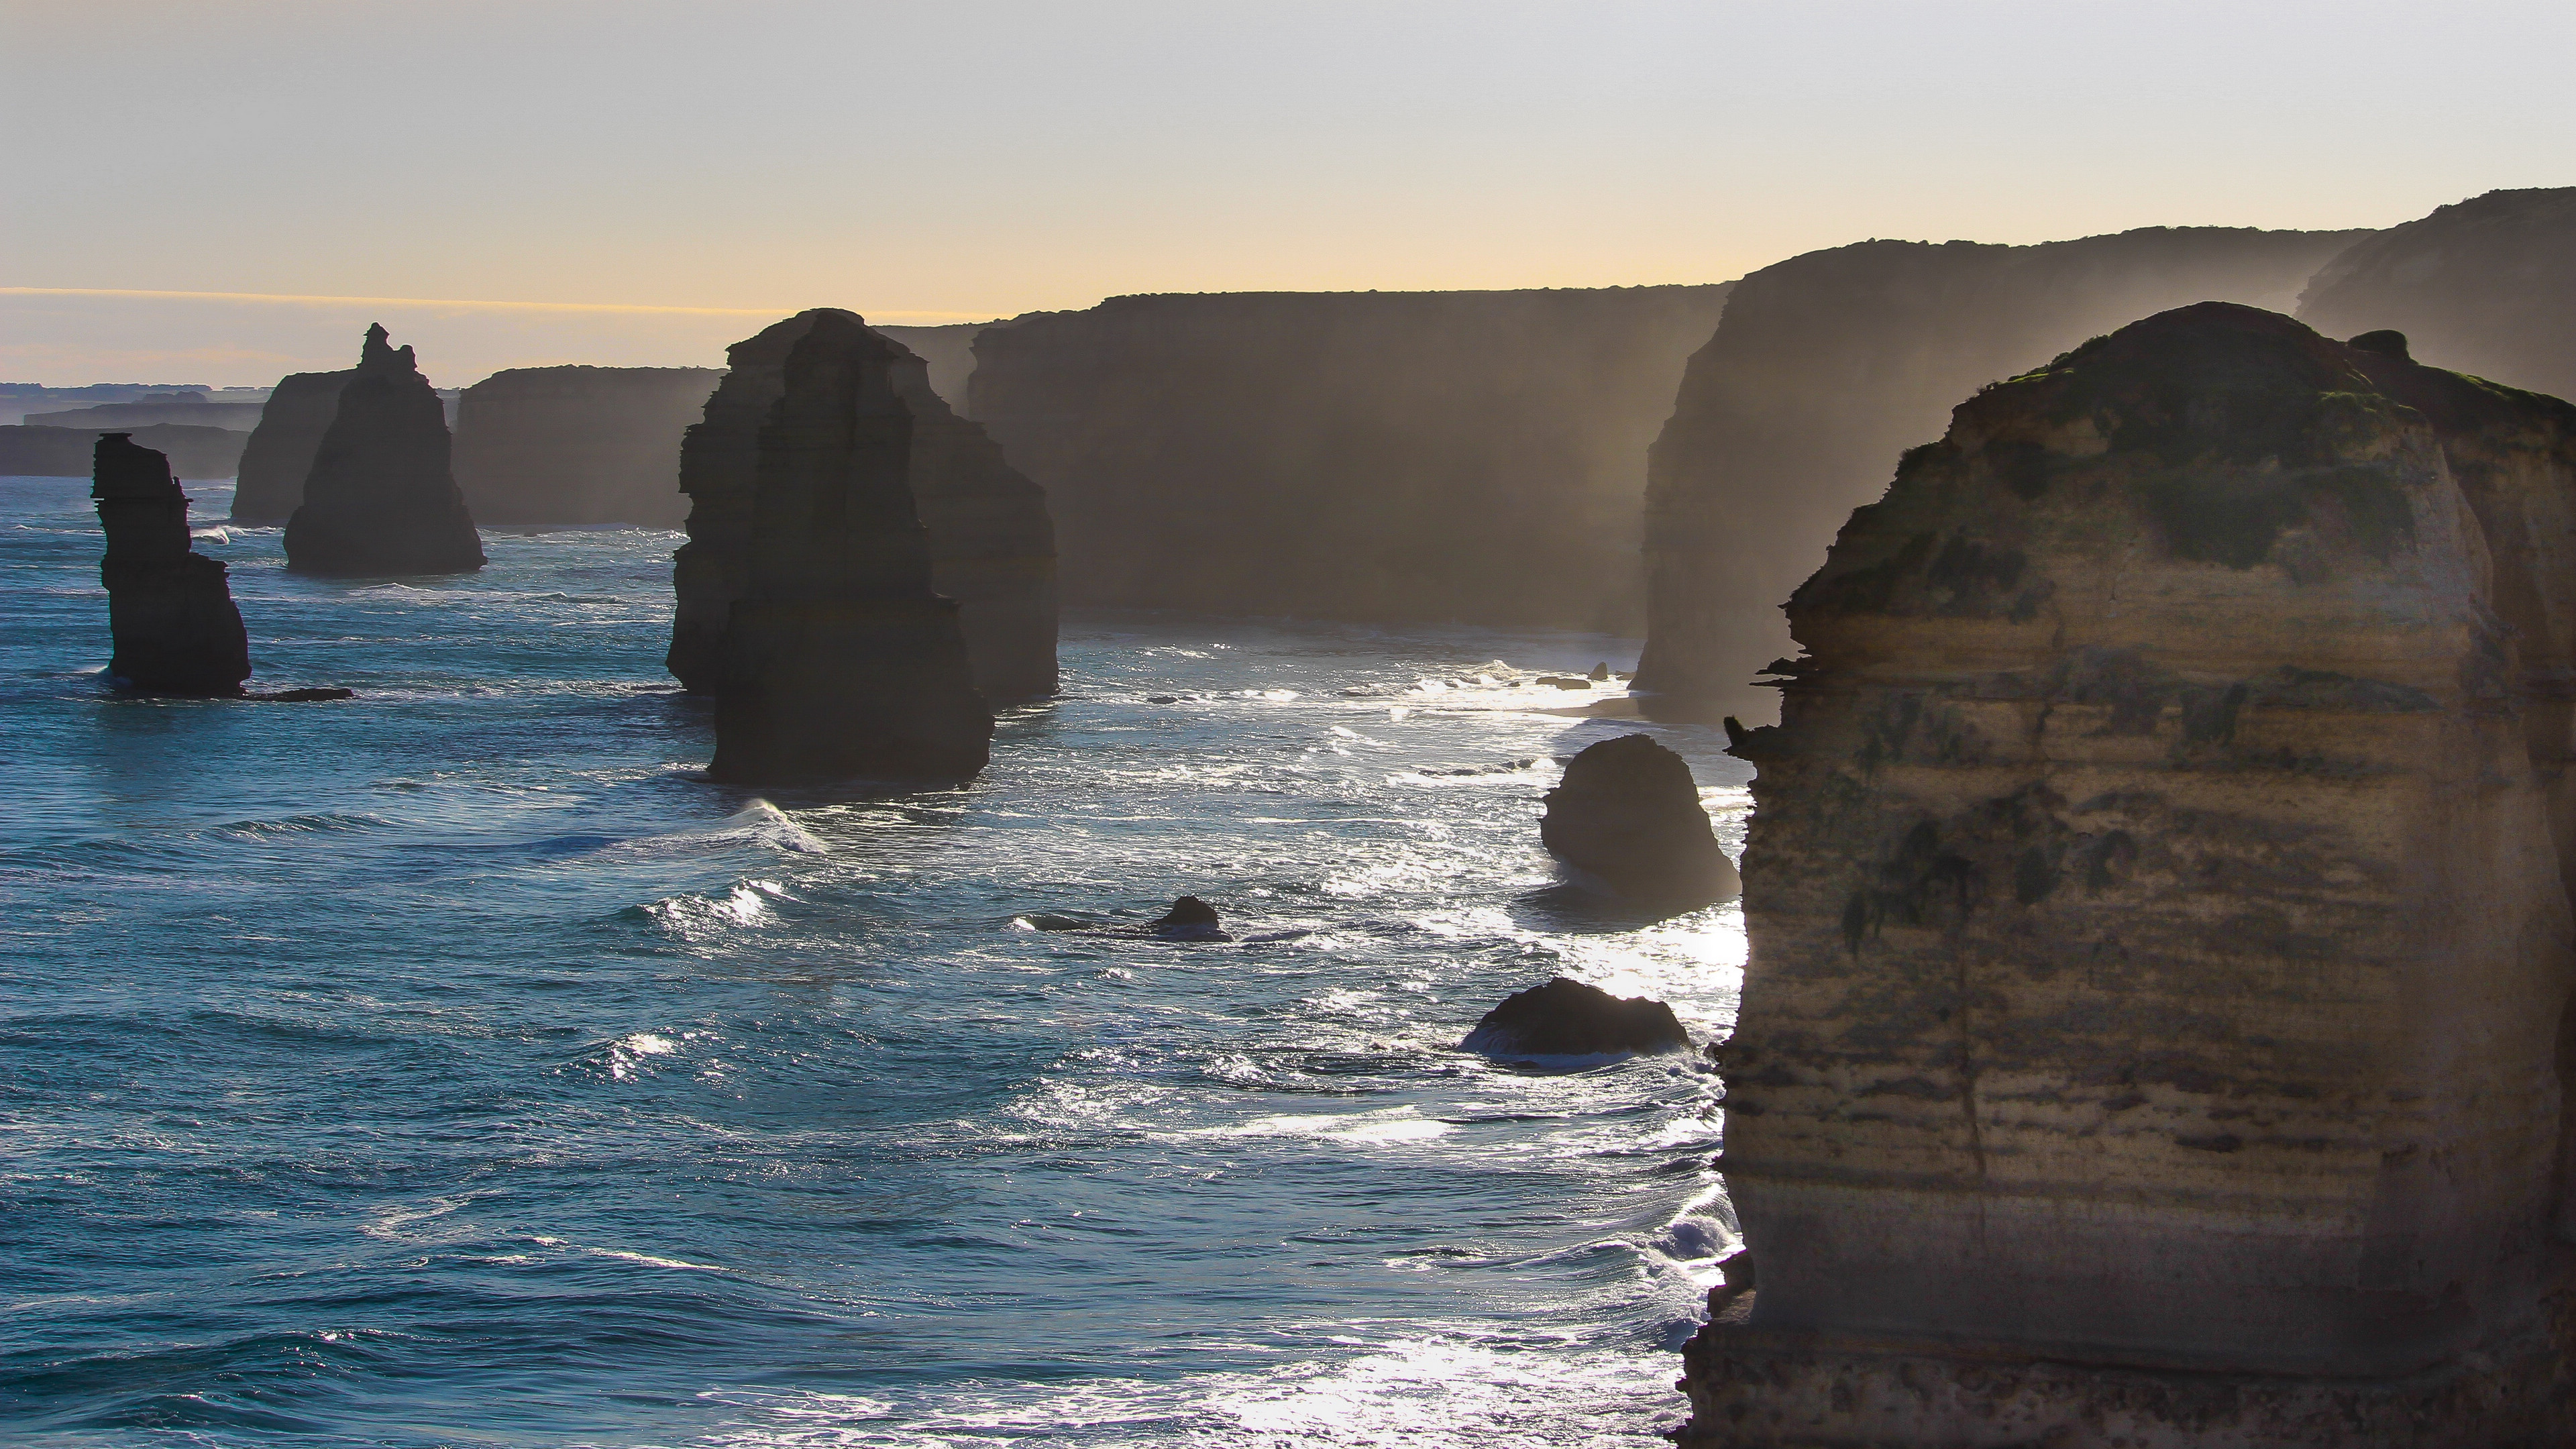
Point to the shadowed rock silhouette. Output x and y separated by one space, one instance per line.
169 609
380 499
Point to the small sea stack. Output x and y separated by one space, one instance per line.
838 659
279 453
169 609
1566 1018
381 499
1627 816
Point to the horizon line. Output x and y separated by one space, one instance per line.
455 302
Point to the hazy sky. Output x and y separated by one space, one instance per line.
944 159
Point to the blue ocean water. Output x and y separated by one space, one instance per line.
455 1066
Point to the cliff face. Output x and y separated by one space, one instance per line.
2487 287
169 609
1379 456
2160 952
51 452
1829 363
578 445
380 498
992 546
187 412
948 351
279 455
838 659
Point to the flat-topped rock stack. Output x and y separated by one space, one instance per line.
2161 943
992 546
169 608
836 656
381 499
278 456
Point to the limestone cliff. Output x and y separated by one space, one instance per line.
170 611
992 544
380 499
1827 364
1396 456
837 658
578 445
279 455
2487 286
51 452
2160 953
948 350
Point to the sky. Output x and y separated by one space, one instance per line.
221 191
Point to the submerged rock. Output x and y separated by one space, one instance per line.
169 609
1566 1018
2155 901
278 455
837 659
1627 814
380 499
992 546
1191 919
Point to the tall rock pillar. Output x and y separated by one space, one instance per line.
381 498
2154 1027
169 608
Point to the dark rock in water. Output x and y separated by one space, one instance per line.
1600 673
45 451
1190 919
578 445
1627 813
992 546
1566 1018
837 659
1565 681
303 696
1162 699
278 456
380 499
169 609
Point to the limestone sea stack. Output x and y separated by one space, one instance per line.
279 454
380 499
1827 364
1627 815
572 446
169 609
837 658
991 542
2160 972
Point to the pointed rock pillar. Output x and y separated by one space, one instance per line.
381 499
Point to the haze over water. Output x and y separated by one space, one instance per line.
454 1067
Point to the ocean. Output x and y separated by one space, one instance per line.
455 1066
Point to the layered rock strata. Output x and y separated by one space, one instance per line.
169 609
1627 817
992 544
2487 286
381 499
1375 456
539 446
278 456
837 657
1827 364
2161 952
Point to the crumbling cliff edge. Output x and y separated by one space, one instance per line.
2161 942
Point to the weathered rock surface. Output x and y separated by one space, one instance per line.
1627 814
169 609
1566 1018
992 544
381 499
50 452
1381 456
2161 955
1826 365
2487 286
578 445
279 454
837 658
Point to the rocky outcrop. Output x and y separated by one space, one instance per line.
1378 456
947 352
539 446
1827 364
50 452
1566 1018
992 545
380 499
2487 286
169 609
2161 957
1627 816
187 410
279 455
837 658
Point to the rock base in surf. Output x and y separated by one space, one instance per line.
1566 1018
170 610
1627 815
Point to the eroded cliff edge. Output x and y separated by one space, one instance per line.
2160 948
